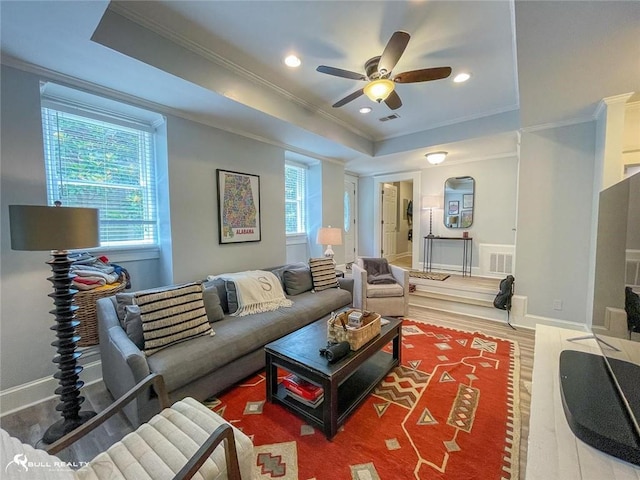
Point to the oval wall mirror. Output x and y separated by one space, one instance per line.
458 202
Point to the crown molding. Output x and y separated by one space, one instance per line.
563 123
497 111
95 89
179 39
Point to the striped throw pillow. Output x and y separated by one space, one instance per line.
172 315
323 273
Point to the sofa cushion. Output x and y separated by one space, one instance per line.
172 315
183 363
297 280
323 272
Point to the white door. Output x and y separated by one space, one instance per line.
349 221
389 220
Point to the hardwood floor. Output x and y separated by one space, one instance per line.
30 423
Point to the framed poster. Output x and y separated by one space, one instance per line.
238 207
454 207
467 218
467 200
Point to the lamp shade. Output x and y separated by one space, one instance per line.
329 236
35 227
431 201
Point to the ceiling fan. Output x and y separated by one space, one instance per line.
381 84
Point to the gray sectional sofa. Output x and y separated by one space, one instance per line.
206 365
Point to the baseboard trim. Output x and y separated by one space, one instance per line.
31 393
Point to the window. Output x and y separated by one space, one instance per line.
105 162
295 186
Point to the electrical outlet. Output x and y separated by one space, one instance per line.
557 304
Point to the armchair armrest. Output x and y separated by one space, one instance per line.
222 433
401 275
153 379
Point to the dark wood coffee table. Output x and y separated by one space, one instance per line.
346 383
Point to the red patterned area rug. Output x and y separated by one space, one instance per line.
450 411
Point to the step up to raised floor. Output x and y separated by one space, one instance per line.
462 295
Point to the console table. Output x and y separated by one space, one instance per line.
467 252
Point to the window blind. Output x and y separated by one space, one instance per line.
295 199
104 165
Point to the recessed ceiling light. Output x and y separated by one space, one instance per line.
365 110
462 77
435 158
292 61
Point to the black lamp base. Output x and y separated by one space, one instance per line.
64 426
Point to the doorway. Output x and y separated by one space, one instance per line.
411 256
350 238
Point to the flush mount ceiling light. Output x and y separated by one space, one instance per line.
292 61
365 110
436 157
379 90
461 77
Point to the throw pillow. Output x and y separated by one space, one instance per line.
323 272
222 290
232 296
173 315
297 280
133 325
122 300
212 303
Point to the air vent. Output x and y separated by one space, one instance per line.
393 116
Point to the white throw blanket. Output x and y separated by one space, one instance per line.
257 291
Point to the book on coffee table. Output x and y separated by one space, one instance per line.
309 403
301 387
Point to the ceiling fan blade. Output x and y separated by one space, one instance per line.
424 75
393 101
348 98
393 51
338 72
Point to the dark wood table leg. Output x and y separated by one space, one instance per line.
272 377
397 345
330 409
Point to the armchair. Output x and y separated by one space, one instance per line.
387 299
177 443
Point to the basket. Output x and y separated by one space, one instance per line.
86 313
356 337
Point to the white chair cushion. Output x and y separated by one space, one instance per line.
384 290
159 448
19 460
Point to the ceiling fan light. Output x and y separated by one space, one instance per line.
379 90
292 61
462 77
436 158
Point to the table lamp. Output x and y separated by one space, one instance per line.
41 228
430 202
329 236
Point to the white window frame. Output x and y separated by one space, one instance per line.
125 249
301 207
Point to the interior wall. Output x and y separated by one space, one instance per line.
195 152
494 209
190 249
555 196
333 201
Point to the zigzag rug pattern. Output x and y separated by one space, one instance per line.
450 411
